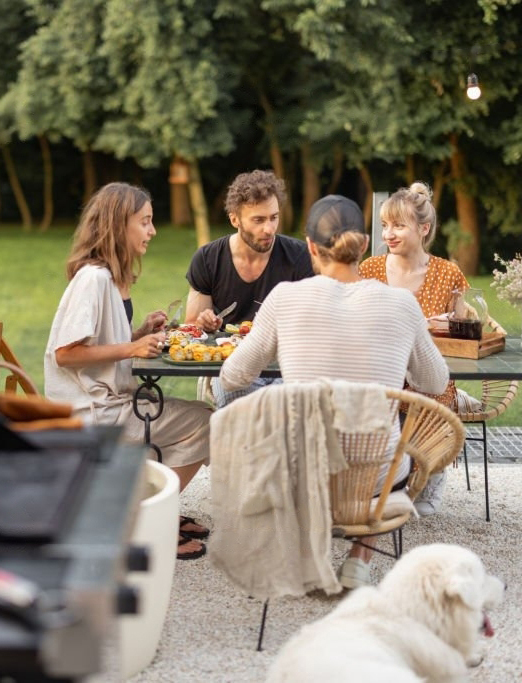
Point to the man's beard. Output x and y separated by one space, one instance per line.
249 239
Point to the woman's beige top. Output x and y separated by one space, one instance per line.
434 296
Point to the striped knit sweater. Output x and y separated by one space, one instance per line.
360 332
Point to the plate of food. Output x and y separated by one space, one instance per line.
171 361
197 353
241 329
233 340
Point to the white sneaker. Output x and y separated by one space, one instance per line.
429 501
354 573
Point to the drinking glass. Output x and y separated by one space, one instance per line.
468 313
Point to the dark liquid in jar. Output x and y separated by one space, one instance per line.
465 329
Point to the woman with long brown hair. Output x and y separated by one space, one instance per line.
92 342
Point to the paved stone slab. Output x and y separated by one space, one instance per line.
504 444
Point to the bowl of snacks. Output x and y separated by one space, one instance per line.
181 337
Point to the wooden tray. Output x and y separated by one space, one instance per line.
491 342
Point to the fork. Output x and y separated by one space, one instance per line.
174 322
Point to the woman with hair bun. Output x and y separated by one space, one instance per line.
337 325
409 222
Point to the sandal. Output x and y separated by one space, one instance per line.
191 555
202 532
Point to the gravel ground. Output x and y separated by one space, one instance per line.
210 634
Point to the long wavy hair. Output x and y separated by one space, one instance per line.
101 236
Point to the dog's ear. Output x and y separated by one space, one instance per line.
465 587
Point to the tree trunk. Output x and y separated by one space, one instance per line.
198 204
180 213
90 180
286 220
410 169
337 170
23 207
368 196
47 184
468 249
311 182
439 180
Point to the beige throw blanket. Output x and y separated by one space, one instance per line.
272 453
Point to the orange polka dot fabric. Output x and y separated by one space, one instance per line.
434 296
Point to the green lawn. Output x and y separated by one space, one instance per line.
32 280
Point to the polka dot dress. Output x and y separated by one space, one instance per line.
434 295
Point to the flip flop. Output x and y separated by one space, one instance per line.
183 521
194 554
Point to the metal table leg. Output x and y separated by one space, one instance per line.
151 391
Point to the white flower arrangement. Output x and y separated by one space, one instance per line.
509 282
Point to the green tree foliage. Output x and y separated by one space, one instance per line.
173 88
63 82
310 87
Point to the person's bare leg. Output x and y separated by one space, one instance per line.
186 474
358 550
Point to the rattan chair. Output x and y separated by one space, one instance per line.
495 399
17 376
204 390
431 434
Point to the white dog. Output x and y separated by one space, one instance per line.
420 625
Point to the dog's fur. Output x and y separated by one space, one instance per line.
420 625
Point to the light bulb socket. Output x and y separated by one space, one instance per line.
473 89
473 81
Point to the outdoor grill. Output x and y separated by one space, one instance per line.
67 504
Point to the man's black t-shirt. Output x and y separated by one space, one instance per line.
213 273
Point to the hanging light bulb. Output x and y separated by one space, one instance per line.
473 91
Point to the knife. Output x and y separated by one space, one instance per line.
226 310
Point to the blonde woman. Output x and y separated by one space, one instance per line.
92 342
409 223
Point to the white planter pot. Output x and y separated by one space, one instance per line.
157 528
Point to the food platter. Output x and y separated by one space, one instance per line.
171 361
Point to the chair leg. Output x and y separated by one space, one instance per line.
466 466
486 480
484 441
262 626
397 542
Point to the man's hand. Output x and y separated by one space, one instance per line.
208 320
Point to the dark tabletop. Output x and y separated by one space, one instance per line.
506 364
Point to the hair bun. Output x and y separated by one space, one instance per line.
421 188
